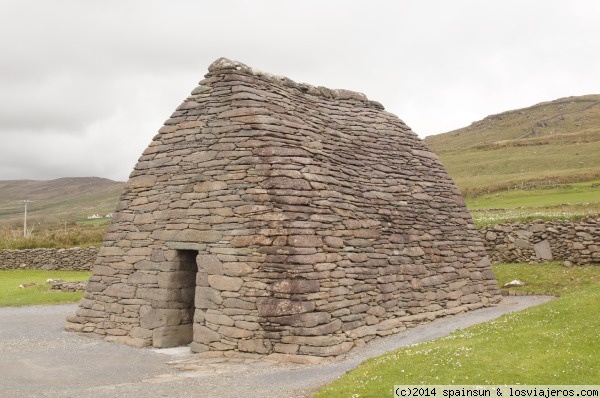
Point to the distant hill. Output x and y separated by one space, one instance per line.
55 201
548 143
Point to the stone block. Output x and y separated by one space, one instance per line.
210 263
269 307
432 280
207 297
247 325
232 302
143 181
159 295
237 269
335 350
140 333
198 236
176 279
218 319
172 336
286 348
253 240
305 241
295 286
328 328
307 258
542 250
209 186
308 319
259 346
315 341
414 251
333 241
225 283
204 335
234 332
120 290
362 332
521 243
151 318
140 277
198 347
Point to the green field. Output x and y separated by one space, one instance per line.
554 343
558 201
539 162
11 295
83 234
554 142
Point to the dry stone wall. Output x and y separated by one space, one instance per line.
576 243
268 216
73 259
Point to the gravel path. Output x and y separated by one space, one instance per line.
39 359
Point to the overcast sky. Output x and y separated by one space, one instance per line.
85 85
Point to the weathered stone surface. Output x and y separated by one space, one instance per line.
218 319
207 297
315 341
305 241
335 350
276 307
328 328
204 335
295 286
308 319
198 236
172 336
151 318
542 250
259 346
227 283
574 242
234 332
281 217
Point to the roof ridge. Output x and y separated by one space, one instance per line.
225 64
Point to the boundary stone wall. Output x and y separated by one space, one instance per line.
575 243
71 259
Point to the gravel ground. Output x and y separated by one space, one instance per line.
39 359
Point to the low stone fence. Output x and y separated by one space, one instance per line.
575 243
73 259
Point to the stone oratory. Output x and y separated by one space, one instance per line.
272 217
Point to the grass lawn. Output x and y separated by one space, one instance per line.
562 201
12 295
554 343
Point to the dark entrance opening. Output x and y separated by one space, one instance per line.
182 284
187 269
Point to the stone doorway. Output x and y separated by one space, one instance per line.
176 318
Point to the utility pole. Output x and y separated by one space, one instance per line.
25 202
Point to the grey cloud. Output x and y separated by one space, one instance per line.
86 84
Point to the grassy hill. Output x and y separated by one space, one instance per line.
537 162
543 145
57 201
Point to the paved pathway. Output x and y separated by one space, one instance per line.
39 359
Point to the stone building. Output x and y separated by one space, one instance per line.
268 216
